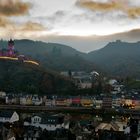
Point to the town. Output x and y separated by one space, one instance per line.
69 70
117 98
112 116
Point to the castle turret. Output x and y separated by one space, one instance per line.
11 47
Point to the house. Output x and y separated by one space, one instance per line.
136 103
128 103
107 103
31 133
116 102
8 116
76 101
86 102
97 103
61 102
107 126
12 99
5 116
16 100
48 102
2 94
83 81
9 99
36 119
22 100
29 100
68 101
14 118
37 100
48 122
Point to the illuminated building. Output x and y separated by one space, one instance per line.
11 48
11 54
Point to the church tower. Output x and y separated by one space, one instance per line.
11 48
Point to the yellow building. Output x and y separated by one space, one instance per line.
29 101
61 102
86 102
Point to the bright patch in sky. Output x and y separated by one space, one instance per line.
66 17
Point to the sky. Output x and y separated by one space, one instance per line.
85 25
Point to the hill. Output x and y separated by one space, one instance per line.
19 77
118 58
52 55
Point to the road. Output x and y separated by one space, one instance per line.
21 108
44 108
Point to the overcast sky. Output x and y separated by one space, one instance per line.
83 24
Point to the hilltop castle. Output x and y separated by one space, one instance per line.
11 54
10 51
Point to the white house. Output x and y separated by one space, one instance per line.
50 123
37 100
36 119
2 94
14 118
22 100
8 116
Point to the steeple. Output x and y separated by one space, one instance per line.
11 42
10 47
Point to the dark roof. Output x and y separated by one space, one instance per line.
1 124
11 41
51 119
6 114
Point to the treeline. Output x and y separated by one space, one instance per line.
19 77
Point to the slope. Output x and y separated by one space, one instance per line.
21 77
52 55
118 58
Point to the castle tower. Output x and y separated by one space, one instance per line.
11 47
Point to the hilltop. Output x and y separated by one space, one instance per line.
118 58
52 55
115 59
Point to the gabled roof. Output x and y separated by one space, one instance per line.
14 118
107 126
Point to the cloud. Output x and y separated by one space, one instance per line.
31 26
130 36
56 17
111 5
4 22
98 5
24 27
13 8
133 12
16 8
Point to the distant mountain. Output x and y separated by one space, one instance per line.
118 58
20 77
53 56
